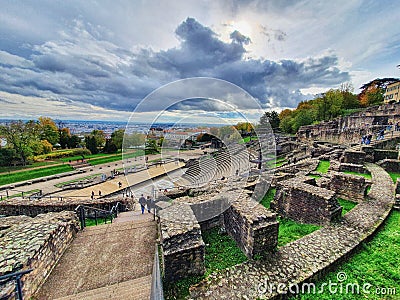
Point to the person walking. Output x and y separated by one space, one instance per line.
92 195
142 202
149 203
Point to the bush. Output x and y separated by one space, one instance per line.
63 153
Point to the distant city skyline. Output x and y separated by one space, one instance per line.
96 60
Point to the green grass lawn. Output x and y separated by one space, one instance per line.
346 205
79 157
323 166
290 231
100 221
376 264
269 196
221 252
32 174
367 176
32 165
113 158
394 176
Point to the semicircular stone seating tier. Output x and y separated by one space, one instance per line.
306 258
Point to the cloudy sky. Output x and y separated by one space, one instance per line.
98 59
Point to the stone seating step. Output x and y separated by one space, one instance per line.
136 289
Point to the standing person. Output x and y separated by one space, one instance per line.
99 193
149 203
92 195
142 202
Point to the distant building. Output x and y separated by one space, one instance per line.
392 92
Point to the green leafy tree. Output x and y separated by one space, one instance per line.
117 138
91 144
65 135
271 117
151 147
48 130
110 147
23 137
7 156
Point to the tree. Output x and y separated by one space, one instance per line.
73 141
110 147
99 136
151 147
64 137
270 117
117 137
7 156
372 92
22 137
134 139
48 130
350 100
46 146
91 144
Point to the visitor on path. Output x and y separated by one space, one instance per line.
99 193
149 203
119 184
92 197
142 202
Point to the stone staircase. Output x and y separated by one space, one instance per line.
136 289
112 261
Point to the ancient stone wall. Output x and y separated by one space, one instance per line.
34 243
348 186
385 154
306 203
352 168
390 165
182 246
353 157
32 208
252 226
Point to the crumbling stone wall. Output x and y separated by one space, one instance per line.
348 186
353 157
390 165
306 203
32 208
34 243
345 167
182 246
252 226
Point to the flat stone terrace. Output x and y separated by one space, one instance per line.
308 257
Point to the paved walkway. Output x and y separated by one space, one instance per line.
111 186
307 257
112 261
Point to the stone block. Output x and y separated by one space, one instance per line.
252 226
306 203
182 246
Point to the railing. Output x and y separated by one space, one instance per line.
98 213
156 292
18 283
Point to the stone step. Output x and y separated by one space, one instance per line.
136 289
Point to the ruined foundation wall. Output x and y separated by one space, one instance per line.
34 243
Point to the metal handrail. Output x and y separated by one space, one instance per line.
156 292
80 210
18 284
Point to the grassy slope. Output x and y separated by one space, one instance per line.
32 174
323 166
377 263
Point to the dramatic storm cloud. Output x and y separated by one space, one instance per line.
111 54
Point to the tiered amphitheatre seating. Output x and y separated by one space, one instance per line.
225 163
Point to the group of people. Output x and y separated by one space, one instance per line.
366 139
146 202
